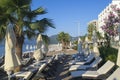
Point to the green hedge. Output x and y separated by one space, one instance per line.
108 53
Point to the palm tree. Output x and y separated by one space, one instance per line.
99 36
19 13
64 38
91 28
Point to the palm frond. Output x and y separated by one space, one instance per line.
33 14
2 32
29 34
39 11
46 39
41 25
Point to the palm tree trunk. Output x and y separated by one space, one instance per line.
63 45
19 44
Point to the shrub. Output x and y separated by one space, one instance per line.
108 53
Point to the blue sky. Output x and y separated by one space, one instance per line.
66 14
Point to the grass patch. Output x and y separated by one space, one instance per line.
108 53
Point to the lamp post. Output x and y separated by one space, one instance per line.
118 56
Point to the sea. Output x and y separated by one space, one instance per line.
29 45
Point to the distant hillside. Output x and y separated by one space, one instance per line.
53 39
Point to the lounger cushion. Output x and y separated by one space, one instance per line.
77 73
25 75
84 67
76 67
94 74
88 60
106 67
90 74
115 75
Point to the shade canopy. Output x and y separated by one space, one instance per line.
11 59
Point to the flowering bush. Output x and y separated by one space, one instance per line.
112 21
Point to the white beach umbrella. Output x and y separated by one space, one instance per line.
27 47
34 47
58 44
31 47
39 41
38 55
94 37
11 59
86 39
79 46
38 52
95 46
86 42
44 49
70 44
118 56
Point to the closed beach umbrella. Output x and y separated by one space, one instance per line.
118 55
31 47
86 42
86 39
79 46
39 41
34 47
11 59
38 55
27 47
86 46
38 52
70 44
95 46
44 49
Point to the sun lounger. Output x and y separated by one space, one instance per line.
26 61
39 73
94 74
115 75
87 60
41 68
24 75
84 67
30 70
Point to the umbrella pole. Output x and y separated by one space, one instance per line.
9 74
